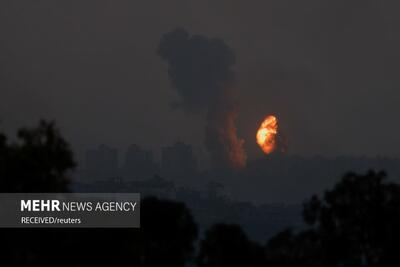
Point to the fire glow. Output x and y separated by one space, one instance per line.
266 134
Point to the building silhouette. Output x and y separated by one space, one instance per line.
102 163
139 164
178 161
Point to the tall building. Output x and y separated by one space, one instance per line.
178 161
139 164
102 163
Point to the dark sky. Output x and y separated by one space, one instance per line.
327 69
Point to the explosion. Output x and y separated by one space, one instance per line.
201 71
266 134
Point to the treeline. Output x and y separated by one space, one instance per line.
354 224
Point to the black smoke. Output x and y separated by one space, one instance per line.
200 69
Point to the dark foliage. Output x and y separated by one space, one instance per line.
38 163
355 224
227 245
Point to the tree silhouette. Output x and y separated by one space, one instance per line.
287 249
167 233
36 162
226 245
39 162
166 238
355 224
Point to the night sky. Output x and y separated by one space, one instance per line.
327 69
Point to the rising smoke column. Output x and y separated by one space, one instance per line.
200 70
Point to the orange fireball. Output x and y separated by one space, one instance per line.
266 134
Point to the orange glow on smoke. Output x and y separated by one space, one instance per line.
266 134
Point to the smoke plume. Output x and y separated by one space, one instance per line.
200 70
